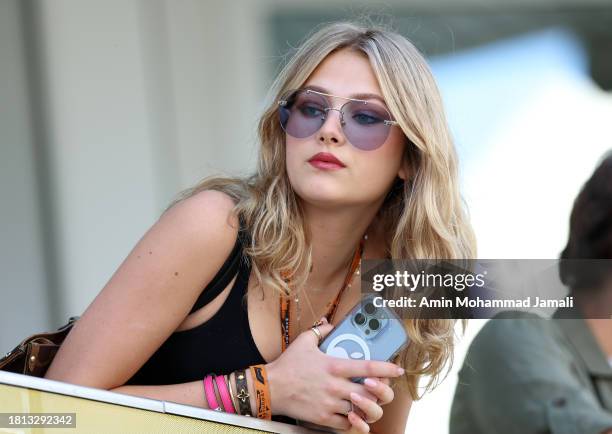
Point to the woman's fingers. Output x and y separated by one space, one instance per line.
371 410
360 389
364 368
387 381
380 389
324 328
342 406
358 423
336 421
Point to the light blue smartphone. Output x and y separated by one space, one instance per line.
366 333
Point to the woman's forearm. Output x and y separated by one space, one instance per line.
185 393
191 393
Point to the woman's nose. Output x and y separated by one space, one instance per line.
331 130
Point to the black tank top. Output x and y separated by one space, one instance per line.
222 344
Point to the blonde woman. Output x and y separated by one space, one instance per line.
356 162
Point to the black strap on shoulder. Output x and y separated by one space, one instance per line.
224 276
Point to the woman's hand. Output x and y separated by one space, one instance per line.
367 411
309 385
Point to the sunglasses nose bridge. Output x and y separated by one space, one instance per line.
340 113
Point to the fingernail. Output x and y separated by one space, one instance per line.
370 382
355 397
400 371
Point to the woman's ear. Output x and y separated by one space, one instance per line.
401 173
405 164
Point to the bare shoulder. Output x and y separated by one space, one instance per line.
150 293
205 214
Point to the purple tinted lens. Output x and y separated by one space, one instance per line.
364 125
303 114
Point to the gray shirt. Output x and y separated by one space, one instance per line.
530 375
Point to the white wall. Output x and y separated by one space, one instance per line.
23 274
102 165
142 99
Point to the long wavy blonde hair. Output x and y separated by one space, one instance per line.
421 218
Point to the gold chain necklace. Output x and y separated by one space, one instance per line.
285 305
297 298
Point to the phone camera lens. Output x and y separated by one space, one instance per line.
370 309
360 319
374 324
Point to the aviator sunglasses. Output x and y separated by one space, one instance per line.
366 124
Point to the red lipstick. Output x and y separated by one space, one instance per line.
325 160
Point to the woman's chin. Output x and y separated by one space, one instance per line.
322 197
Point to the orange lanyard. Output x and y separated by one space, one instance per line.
285 302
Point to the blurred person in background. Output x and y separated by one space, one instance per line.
529 375
356 160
